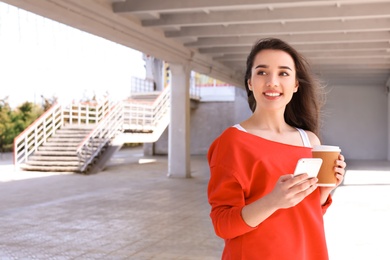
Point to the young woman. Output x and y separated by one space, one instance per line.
259 208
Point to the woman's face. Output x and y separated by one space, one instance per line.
273 79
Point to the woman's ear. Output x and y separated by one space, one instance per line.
249 84
296 86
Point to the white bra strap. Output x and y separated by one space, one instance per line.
305 137
239 127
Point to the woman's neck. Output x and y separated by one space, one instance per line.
272 121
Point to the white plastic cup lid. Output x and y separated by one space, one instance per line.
326 148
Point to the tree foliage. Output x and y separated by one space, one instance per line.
14 121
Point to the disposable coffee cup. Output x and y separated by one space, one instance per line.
329 154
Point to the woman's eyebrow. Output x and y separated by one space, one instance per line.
285 67
266 66
261 66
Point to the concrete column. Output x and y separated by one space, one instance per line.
154 70
388 118
179 127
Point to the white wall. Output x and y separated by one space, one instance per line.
355 118
208 121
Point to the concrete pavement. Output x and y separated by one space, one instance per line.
358 223
133 211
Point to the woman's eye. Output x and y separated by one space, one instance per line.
284 74
260 72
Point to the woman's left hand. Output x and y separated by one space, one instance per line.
340 169
339 172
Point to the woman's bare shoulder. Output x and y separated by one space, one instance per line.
314 140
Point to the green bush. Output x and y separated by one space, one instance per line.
14 121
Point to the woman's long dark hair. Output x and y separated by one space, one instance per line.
303 111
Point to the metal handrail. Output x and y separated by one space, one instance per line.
161 106
145 116
101 135
139 85
37 133
86 113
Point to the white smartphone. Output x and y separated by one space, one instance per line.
311 166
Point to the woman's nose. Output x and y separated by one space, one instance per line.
272 80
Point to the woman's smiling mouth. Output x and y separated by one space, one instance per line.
272 94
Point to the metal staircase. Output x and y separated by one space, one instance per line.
82 137
59 153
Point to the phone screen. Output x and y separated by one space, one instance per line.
311 166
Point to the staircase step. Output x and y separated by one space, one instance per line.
73 131
53 158
58 148
62 144
81 126
53 163
63 147
49 168
145 96
81 129
56 153
62 139
71 134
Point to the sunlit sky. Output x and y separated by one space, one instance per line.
39 56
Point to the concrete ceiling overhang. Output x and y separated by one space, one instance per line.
346 41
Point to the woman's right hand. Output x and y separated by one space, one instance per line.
290 190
